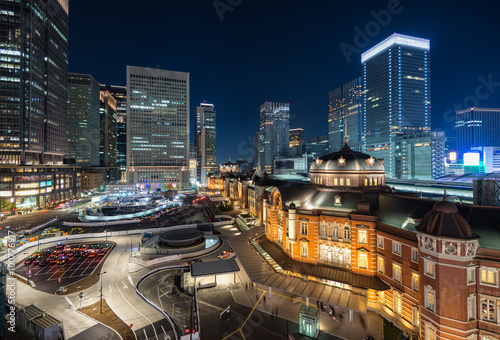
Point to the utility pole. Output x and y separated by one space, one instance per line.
101 274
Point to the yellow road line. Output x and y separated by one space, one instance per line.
255 306
242 334
238 330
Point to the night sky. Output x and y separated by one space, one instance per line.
284 51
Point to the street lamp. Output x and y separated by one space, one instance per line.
100 275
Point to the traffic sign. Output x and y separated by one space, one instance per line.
131 325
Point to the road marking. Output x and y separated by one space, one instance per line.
145 317
124 285
70 303
248 317
165 335
145 335
110 290
159 297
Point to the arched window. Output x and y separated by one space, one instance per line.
329 229
347 232
322 229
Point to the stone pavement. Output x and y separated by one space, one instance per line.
288 305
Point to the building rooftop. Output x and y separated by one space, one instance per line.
39 317
395 39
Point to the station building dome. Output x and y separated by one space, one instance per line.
347 168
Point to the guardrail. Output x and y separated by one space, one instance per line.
98 224
173 324
38 227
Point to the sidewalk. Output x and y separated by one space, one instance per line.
288 305
76 325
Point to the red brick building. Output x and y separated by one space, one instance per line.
428 268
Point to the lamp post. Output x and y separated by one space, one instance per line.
101 274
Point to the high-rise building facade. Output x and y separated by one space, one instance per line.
120 95
157 128
477 127
274 136
33 105
396 96
33 78
205 141
420 156
107 130
296 137
344 112
107 140
83 119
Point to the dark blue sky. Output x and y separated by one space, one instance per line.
284 51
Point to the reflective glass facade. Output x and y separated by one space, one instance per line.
396 94
477 127
83 119
296 137
205 141
344 108
120 95
157 128
420 156
33 78
274 135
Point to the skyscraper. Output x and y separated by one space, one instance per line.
33 105
120 94
344 109
107 131
205 141
83 119
396 95
420 156
477 127
33 78
296 137
157 128
274 136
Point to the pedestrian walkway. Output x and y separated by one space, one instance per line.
286 306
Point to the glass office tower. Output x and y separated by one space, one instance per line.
274 135
477 127
33 79
120 95
296 137
205 141
83 119
157 128
33 106
396 95
344 110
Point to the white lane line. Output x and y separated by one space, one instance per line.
159 297
110 290
145 317
145 335
124 285
70 303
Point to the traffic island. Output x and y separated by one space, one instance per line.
109 318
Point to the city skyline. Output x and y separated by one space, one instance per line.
318 61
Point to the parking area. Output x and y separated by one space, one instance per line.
63 264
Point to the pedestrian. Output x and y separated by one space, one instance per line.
264 299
